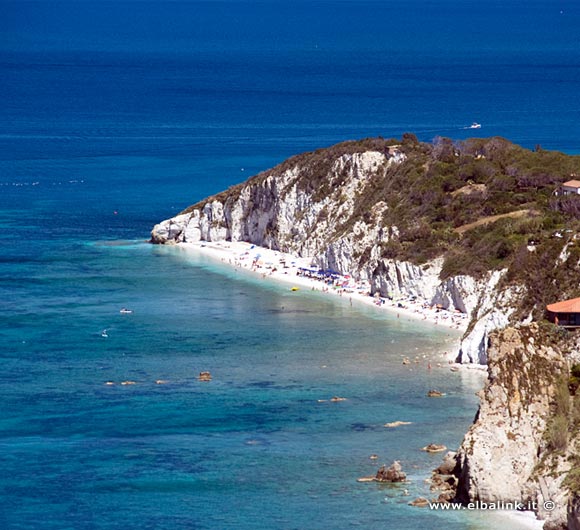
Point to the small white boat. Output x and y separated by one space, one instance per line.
104 333
125 311
475 125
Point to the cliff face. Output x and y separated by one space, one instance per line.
384 213
518 450
280 212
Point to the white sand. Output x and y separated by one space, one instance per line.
285 267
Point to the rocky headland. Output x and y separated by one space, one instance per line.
523 449
477 227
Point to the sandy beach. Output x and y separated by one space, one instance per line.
299 274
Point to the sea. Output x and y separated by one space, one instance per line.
115 115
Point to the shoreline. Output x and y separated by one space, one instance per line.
297 273
270 264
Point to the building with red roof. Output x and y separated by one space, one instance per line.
566 313
572 187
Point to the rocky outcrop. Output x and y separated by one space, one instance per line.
434 448
421 502
393 473
492 310
444 478
508 454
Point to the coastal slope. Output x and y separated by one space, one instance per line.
522 447
472 226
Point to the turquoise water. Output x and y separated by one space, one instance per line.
115 115
252 449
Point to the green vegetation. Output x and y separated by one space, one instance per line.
458 183
558 433
575 413
551 335
562 398
572 480
574 380
563 427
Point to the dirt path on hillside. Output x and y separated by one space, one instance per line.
493 218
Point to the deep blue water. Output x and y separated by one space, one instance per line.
115 115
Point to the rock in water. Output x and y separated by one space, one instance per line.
397 423
448 465
444 478
434 448
419 501
394 473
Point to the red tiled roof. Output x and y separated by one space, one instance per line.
572 183
567 306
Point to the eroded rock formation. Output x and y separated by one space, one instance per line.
521 446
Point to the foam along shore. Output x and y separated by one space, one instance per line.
299 272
